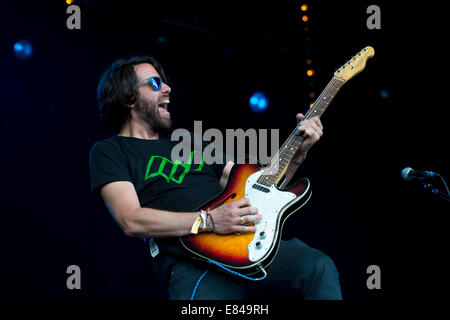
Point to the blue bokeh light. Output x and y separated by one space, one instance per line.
258 102
384 94
23 49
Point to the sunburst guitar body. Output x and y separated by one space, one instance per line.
244 252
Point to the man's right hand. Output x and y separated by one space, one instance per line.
227 217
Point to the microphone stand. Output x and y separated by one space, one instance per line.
434 190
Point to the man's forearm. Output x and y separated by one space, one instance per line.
146 222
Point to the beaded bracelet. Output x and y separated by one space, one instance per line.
212 221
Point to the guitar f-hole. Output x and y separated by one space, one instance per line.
231 196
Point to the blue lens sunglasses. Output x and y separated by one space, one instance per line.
155 82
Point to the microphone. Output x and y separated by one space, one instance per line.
409 174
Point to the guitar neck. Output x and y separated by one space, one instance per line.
327 95
277 167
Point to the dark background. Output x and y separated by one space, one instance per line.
216 55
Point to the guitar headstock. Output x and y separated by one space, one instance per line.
355 65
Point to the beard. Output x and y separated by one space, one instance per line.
148 112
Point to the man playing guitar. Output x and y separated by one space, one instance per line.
151 203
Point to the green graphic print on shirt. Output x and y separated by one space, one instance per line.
153 169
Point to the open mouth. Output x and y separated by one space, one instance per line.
162 107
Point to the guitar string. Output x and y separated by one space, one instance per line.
329 87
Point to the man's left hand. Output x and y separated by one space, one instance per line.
311 130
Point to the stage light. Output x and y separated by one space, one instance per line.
308 61
23 49
310 72
258 102
305 18
69 2
312 95
304 7
384 94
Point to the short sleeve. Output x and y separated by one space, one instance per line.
107 164
218 166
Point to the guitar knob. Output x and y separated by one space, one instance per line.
258 244
262 234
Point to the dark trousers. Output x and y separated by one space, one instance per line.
297 272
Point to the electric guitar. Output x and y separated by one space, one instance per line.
249 253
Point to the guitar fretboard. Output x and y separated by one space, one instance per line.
278 165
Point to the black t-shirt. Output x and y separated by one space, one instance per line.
160 183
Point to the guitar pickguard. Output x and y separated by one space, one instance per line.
269 201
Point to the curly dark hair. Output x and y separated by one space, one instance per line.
118 87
